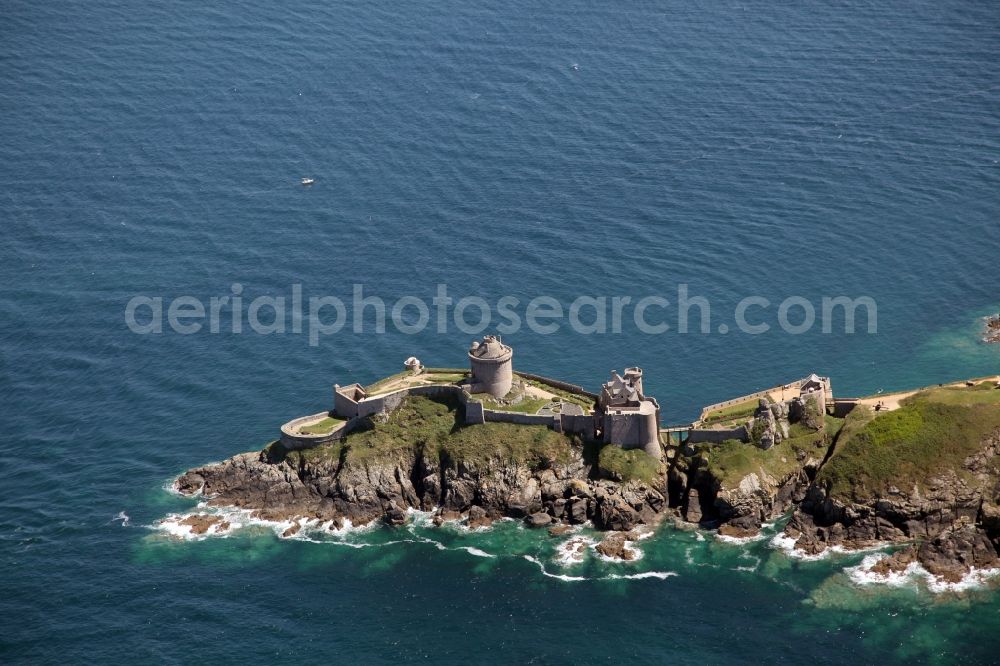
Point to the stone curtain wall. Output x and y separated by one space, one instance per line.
580 424
705 411
475 412
718 436
843 406
572 388
520 418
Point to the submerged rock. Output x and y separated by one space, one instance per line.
200 523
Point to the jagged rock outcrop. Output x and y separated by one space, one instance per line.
770 424
280 486
747 502
615 546
956 497
949 556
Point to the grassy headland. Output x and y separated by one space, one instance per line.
933 431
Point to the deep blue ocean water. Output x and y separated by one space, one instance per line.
520 148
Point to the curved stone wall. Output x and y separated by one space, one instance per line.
295 440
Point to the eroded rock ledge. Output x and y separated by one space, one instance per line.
385 487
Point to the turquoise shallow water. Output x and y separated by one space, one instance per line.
519 149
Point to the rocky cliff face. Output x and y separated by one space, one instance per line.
950 522
288 486
953 520
739 502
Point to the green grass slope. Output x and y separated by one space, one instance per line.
933 431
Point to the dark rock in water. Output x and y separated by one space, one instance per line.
895 563
189 484
479 518
292 530
991 334
560 530
200 523
735 531
954 553
538 519
395 517
445 515
614 545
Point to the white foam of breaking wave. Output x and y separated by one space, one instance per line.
541 567
122 516
745 555
739 541
786 544
417 538
573 550
662 575
172 524
913 574
644 534
170 487
698 536
420 518
462 524
475 551
238 518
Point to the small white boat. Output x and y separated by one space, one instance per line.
308 181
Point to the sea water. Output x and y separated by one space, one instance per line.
521 148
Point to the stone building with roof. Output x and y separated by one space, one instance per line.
491 363
625 416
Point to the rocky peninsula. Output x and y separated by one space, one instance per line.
919 470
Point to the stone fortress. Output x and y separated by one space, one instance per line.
621 414
490 391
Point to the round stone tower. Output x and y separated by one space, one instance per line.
492 367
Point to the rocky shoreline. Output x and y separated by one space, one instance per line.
949 523
950 527
285 489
